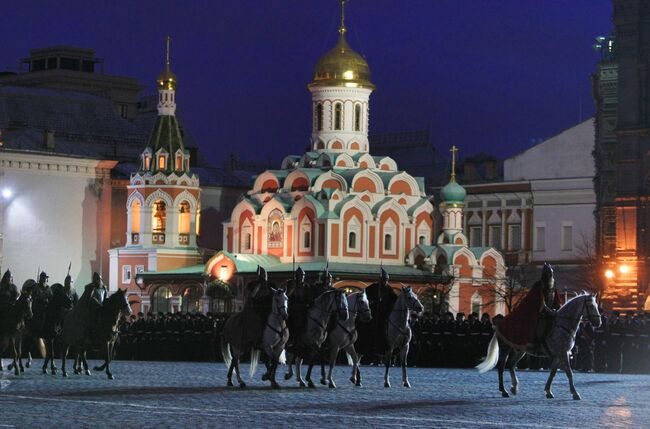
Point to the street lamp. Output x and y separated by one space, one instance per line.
7 193
623 269
609 274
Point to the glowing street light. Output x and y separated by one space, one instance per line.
7 193
623 269
609 274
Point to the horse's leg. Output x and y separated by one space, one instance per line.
230 369
84 360
566 364
330 376
403 355
290 363
551 375
16 350
109 353
53 367
239 379
387 360
323 377
309 369
513 360
47 356
64 355
355 378
504 352
299 379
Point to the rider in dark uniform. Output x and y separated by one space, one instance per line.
8 295
70 292
93 297
41 296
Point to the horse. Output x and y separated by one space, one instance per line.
398 334
13 327
275 336
243 331
104 332
315 332
60 304
345 335
557 345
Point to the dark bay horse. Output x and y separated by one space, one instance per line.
102 334
60 304
243 331
12 327
558 345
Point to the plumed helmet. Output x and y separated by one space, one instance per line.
261 274
299 275
43 276
384 276
68 280
96 277
547 272
6 278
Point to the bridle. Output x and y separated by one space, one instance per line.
405 309
353 312
329 310
283 326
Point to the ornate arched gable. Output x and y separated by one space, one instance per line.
186 196
159 179
263 182
158 194
336 144
354 203
296 177
464 251
391 204
135 195
325 178
137 180
366 161
387 163
290 162
344 161
241 207
370 175
403 183
273 204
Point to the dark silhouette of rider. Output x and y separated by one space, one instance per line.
8 292
93 297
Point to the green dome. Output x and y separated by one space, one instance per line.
453 193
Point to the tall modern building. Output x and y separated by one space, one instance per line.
622 152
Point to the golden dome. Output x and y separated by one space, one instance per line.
167 79
342 66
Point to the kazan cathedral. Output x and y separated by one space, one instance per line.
337 206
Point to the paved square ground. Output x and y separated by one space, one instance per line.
175 395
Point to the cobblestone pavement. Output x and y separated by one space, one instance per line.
167 394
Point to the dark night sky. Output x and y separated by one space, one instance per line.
486 75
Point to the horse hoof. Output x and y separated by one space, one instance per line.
44 371
323 382
54 371
229 384
407 384
242 385
332 385
77 372
22 369
110 377
16 372
513 390
576 396
87 372
29 364
311 384
287 376
505 394
358 384
352 380
302 384
386 384
265 377
549 395
64 374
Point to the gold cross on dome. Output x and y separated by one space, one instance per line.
453 151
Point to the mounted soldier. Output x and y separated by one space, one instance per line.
93 299
8 292
529 323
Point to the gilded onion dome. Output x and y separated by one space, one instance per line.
342 66
167 79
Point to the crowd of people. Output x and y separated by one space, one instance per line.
620 344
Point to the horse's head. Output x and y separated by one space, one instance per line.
123 302
590 310
412 301
24 305
341 304
363 307
280 303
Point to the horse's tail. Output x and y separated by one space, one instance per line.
282 360
490 361
225 353
255 357
350 361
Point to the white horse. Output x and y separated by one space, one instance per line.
557 345
331 302
398 332
345 335
275 336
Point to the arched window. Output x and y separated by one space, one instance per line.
179 162
159 217
352 240
422 240
162 162
191 300
184 223
357 117
319 117
147 162
162 300
338 116
388 242
135 217
306 239
198 220
247 237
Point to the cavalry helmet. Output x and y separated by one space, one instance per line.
384 276
96 277
547 272
43 276
299 275
6 278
